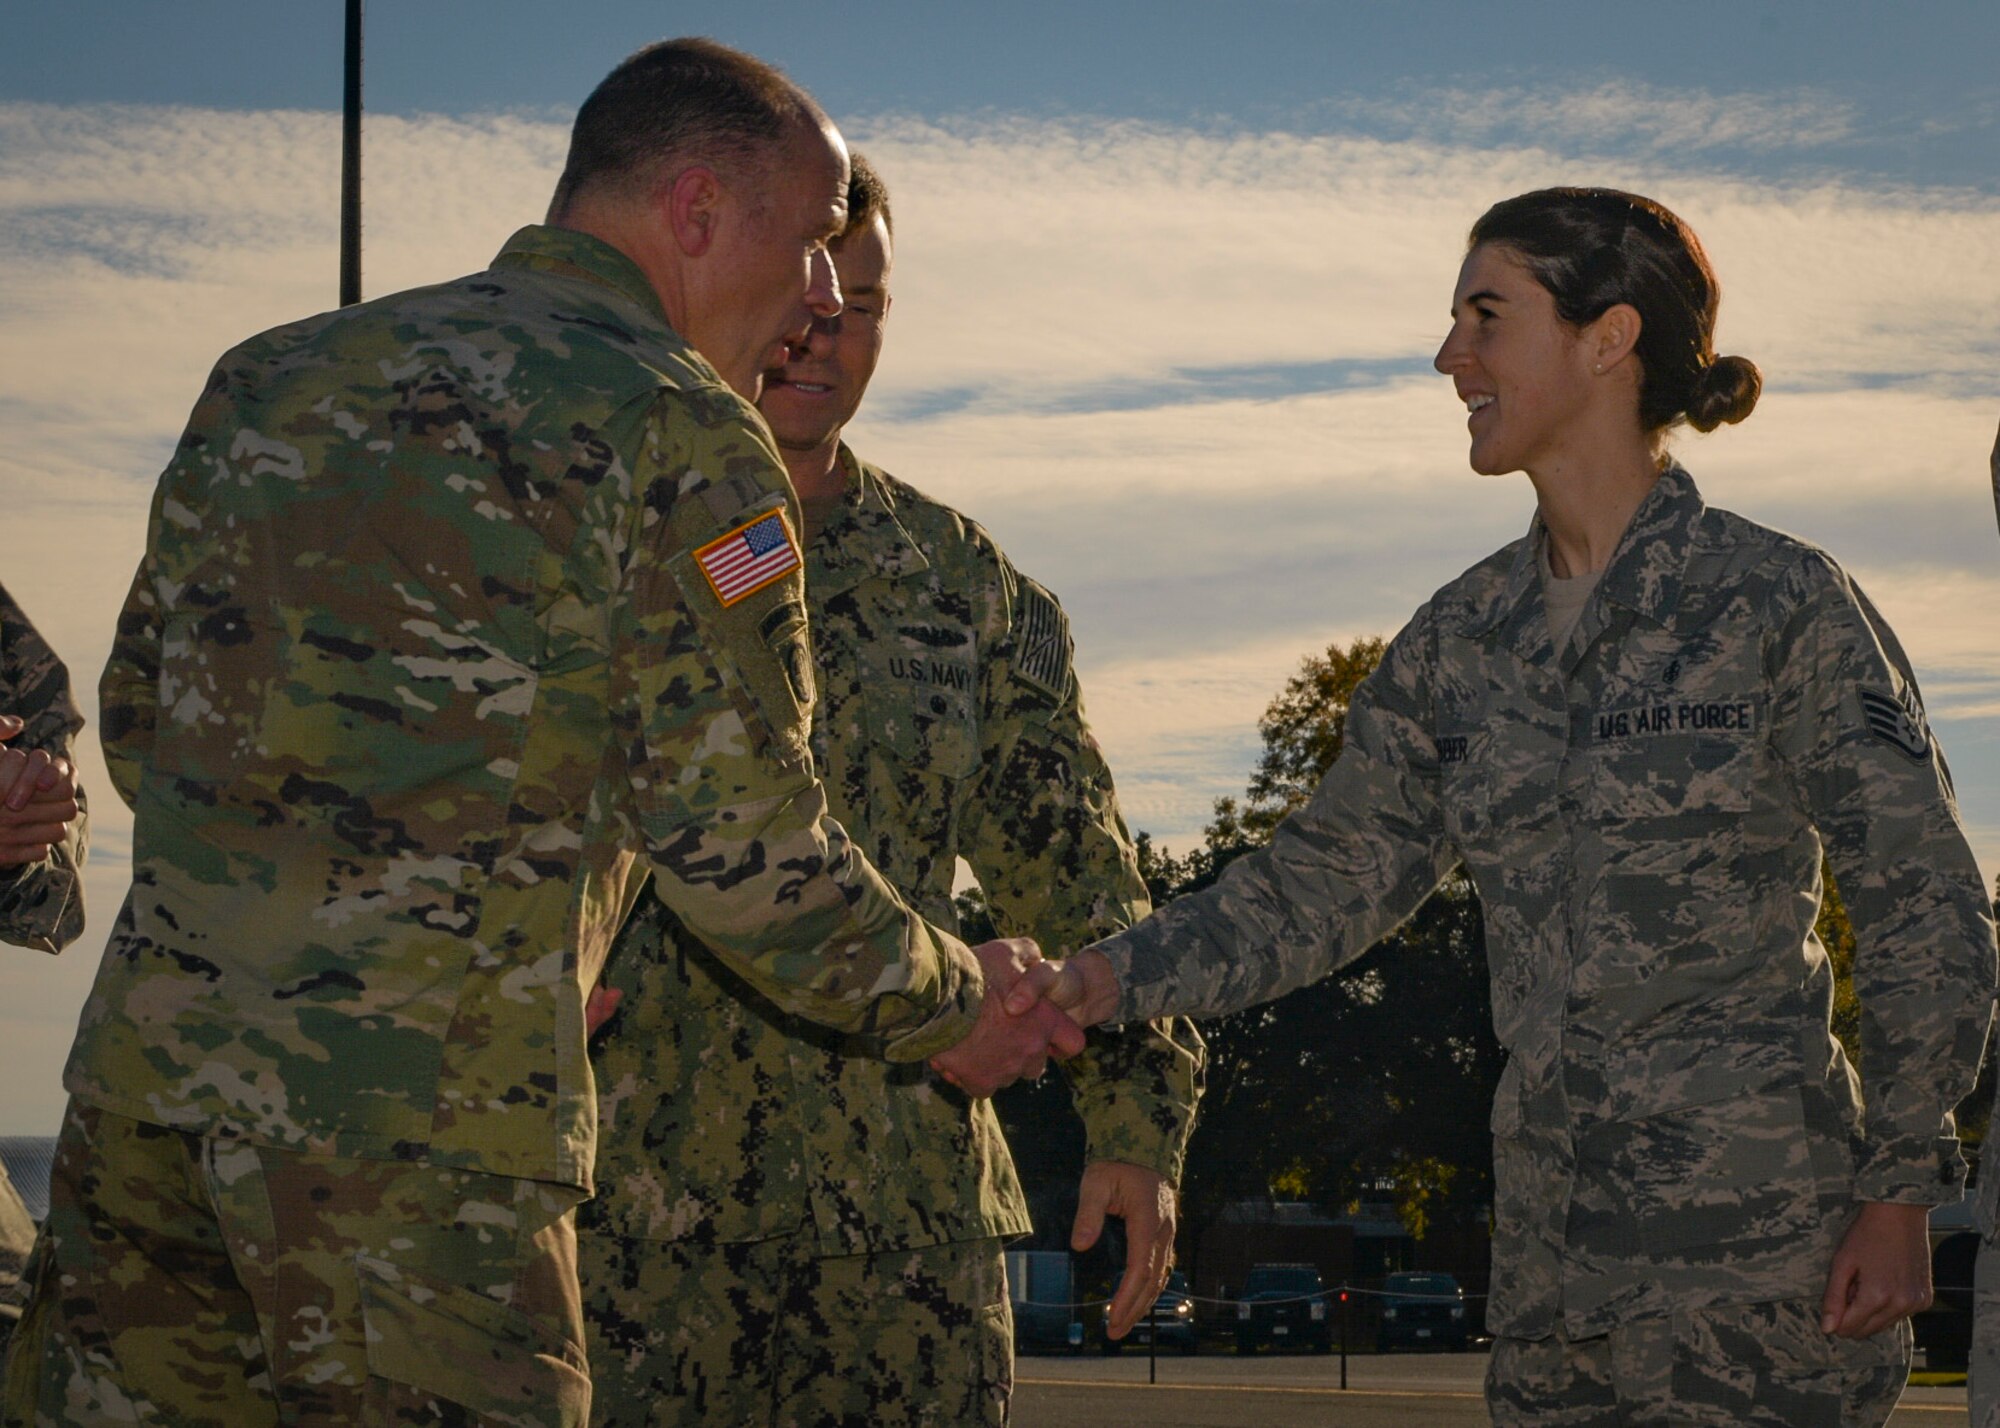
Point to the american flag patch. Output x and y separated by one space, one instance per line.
1043 642
749 557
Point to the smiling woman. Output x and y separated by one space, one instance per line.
1638 728
1539 274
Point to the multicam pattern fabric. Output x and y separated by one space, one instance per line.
724 1120
416 662
1733 1366
1643 816
247 1286
41 905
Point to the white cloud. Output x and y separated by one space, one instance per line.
1618 117
1204 538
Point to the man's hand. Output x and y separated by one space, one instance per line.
1083 985
597 1010
37 799
1145 1200
1007 1044
1881 1272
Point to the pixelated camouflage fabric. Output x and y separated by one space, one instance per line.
727 1121
1643 816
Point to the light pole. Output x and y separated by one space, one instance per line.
350 163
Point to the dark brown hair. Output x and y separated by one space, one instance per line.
1594 248
690 99
867 196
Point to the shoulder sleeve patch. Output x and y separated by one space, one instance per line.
1042 642
1899 723
745 560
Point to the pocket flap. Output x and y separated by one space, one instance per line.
469 1350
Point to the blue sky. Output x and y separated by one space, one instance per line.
1168 281
1918 77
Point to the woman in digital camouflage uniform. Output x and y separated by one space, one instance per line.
1639 728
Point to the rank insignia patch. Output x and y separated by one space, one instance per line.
1899 722
748 558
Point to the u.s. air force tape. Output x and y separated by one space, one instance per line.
1898 722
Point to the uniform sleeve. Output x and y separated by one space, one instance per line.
41 904
1849 723
1337 876
1993 462
1043 837
714 693
128 692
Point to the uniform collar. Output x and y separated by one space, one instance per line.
1645 573
863 536
567 253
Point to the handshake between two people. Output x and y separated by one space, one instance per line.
1033 1009
38 799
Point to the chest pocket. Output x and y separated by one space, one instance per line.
922 707
1465 783
1675 761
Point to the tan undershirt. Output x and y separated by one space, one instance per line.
1564 598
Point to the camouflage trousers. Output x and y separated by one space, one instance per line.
17 1235
1741 1365
192 1281
768 1332
1983 1382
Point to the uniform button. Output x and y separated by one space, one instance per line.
937 704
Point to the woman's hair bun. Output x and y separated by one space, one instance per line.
1725 392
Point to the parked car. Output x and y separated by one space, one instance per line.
1422 1311
1283 1305
1040 1285
1169 1323
1944 1331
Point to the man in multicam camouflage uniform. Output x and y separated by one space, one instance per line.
42 841
1680 1145
1984 1381
788 1233
454 606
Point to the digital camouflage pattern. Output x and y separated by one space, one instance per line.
417 663
949 724
1983 1382
41 905
1643 815
240 1276
1732 1366
770 1332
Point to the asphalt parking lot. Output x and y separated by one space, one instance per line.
1301 1391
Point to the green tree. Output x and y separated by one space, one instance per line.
1380 1074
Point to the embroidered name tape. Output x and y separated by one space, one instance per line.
750 557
